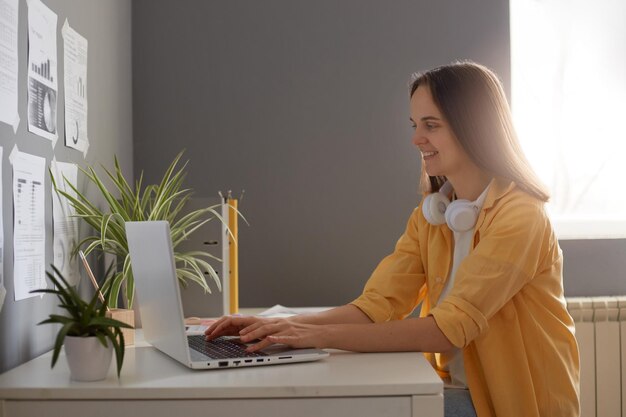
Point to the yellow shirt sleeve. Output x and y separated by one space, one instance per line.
395 287
506 309
514 247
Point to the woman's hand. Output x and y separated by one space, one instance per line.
229 326
270 331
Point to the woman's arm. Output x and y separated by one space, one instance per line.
409 335
345 327
339 315
238 325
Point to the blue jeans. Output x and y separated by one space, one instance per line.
457 403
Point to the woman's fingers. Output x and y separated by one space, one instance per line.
266 332
252 327
294 335
289 340
223 327
219 324
261 331
229 325
259 345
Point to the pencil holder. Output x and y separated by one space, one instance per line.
125 316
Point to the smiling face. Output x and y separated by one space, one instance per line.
441 152
473 139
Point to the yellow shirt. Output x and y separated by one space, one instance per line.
506 309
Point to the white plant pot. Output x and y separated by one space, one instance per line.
87 358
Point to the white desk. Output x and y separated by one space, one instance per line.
152 384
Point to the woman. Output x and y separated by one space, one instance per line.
486 267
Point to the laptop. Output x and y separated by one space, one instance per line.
160 306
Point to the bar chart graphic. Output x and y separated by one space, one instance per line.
43 70
80 88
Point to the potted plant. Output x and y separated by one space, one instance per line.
90 337
163 201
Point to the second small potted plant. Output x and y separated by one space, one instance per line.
89 336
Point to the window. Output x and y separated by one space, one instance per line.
568 64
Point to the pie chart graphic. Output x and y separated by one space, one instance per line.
76 131
49 111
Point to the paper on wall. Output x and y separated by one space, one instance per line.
9 10
75 77
65 227
3 291
42 71
29 231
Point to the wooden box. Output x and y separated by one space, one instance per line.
125 316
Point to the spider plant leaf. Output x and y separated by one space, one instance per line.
216 279
130 282
96 243
116 337
82 243
191 265
59 341
118 278
108 322
179 207
183 275
114 205
79 200
63 295
101 337
198 254
57 318
182 234
208 268
187 274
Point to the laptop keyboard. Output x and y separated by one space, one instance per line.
220 348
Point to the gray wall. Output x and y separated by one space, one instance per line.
594 267
107 27
303 104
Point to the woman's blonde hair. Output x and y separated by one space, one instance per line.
472 100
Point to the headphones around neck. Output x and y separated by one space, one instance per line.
460 215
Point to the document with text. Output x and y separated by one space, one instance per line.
42 70
3 291
64 224
75 77
9 62
29 227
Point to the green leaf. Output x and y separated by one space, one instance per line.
59 342
165 200
118 279
117 339
102 322
101 337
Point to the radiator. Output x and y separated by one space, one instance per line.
601 334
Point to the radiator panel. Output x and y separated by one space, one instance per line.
601 334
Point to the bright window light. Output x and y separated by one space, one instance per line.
568 66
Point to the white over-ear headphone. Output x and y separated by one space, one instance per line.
461 215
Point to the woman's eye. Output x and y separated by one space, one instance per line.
430 126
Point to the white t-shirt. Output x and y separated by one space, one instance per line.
462 247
